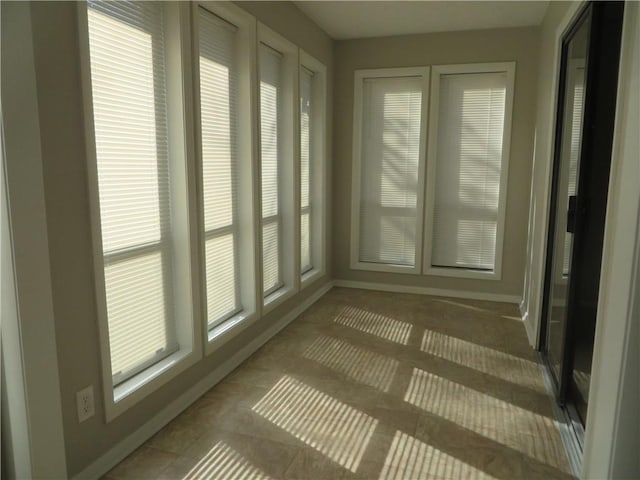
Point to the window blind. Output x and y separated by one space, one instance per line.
218 127
391 123
574 155
270 154
468 169
126 44
306 106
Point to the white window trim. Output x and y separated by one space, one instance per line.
438 70
360 76
217 336
318 198
119 399
289 208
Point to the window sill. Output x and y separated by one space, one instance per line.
142 384
462 273
310 276
385 267
276 298
221 334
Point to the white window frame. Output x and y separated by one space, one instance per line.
120 398
318 167
358 111
289 193
247 155
437 72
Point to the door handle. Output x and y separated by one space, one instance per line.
571 214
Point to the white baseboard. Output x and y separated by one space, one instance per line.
529 329
440 292
120 451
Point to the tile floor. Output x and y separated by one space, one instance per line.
368 385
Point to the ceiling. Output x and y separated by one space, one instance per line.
348 19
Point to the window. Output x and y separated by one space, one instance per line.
224 79
306 109
463 201
467 168
219 169
138 188
166 174
312 166
388 171
278 113
271 159
130 118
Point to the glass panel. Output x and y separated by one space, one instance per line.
567 181
389 179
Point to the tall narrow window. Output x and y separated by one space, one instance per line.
306 167
468 169
390 174
126 44
271 168
219 169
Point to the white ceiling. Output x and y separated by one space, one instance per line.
349 19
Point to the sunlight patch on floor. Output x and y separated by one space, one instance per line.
497 420
222 461
484 359
383 327
356 363
333 428
409 458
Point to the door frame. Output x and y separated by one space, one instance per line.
595 163
607 452
576 23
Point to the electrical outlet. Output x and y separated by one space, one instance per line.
84 399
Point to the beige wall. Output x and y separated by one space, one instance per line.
500 45
66 193
539 190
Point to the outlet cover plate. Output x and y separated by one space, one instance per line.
84 400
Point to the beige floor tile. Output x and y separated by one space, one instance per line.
182 468
308 464
368 385
177 436
223 454
144 463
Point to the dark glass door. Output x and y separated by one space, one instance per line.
582 159
566 183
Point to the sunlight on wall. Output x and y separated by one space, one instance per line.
478 309
368 322
500 421
483 359
409 458
222 461
357 363
462 305
335 429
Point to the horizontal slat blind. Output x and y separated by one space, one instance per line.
574 155
270 125
468 168
218 104
391 124
126 43
306 106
